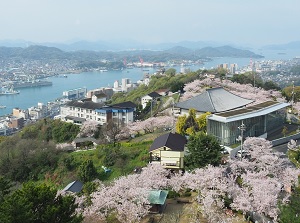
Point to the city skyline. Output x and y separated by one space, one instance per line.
252 23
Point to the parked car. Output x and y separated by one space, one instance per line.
243 154
226 149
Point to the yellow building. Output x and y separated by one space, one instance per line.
168 150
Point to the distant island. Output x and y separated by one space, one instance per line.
37 52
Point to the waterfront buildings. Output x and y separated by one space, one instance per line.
36 113
75 93
126 85
32 113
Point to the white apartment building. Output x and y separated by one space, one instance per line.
80 111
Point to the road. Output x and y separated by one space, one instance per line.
282 148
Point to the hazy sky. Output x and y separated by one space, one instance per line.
256 22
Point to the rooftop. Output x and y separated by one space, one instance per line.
214 100
74 186
248 109
248 112
157 196
174 141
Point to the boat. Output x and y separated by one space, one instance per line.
35 83
9 91
2 106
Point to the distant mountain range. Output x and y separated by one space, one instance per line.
174 53
287 46
111 45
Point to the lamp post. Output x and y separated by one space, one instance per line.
151 107
293 95
242 127
173 116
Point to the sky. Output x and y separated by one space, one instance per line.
254 22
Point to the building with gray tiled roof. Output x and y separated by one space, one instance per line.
151 97
212 100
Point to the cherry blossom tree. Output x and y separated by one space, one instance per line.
127 196
88 128
254 184
148 125
262 177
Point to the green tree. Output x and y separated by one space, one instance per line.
38 204
24 159
189 125
202 121
5 186
270 85
47 129
177 86
291 212
170 72
202 150
248 78
287 93
87 171
180 125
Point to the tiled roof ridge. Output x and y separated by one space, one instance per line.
168 138
210 100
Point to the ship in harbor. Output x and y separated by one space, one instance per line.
35 83
9 91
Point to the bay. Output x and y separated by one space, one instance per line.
29 97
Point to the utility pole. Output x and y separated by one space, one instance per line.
151 107
293 89
173 116
242 127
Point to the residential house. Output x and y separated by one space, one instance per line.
99 98
168 150
106 90
163 92
75 187
212 100
152 97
